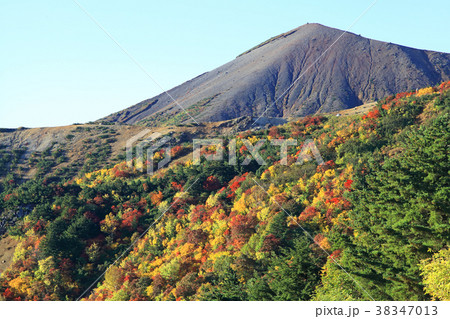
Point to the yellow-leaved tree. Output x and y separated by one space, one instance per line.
435 275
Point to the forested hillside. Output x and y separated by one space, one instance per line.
372 222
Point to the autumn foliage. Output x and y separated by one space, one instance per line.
220 232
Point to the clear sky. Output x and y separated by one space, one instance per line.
57 67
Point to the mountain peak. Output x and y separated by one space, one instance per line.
317 27
299 72
313 25
304 31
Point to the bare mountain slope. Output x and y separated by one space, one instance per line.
353 71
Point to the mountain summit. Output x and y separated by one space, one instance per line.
311 69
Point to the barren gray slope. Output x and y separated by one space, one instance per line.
355 70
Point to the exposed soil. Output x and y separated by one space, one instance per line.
7 247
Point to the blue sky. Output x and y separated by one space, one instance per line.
57 67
